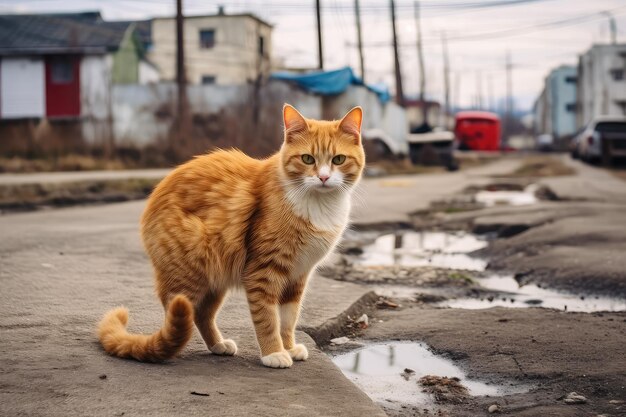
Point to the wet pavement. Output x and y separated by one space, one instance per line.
519 342
511 294
455 250
437 249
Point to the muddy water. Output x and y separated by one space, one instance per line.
378 370
438 249
452 251
515 296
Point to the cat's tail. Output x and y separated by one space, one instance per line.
161 345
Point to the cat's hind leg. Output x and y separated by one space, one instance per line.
205 318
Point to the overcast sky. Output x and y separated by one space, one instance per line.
539 34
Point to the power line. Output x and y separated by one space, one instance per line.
508 32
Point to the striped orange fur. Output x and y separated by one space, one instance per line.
224 220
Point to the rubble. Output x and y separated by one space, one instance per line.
339 340
574 398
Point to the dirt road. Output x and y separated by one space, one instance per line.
61 269
535 357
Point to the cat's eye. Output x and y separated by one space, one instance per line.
308 159
339 159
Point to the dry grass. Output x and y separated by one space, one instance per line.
26 197
70 162
542 166
400 167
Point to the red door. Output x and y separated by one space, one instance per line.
63 86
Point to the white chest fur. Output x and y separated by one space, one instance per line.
326 212
329 215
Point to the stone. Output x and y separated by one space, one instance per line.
574 398
339 340
363 321
493 408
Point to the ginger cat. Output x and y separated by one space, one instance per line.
225 220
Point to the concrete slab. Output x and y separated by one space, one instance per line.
62 269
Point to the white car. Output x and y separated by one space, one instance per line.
604 139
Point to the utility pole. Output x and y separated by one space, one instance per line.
357 14
612 26
396 56
181 79
509 99
490 103
320 52
479 90
457 89
420 57
446 80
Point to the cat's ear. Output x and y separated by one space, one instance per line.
351 123
294 122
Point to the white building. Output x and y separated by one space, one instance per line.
602 82
62 66
219 49
555 108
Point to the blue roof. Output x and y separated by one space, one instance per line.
331 82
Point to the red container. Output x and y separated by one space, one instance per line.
477 131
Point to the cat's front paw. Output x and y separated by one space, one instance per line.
226 347
299 352
280 359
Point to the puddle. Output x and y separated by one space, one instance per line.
451 250
533 296
377 370
509 198
437 249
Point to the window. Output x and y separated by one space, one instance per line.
261 46
62 70
570 107
208 79
611 127
207 38
571 79
617 74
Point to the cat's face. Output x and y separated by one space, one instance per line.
322 156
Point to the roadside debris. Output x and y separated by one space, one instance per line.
103 376
574 398
493 408
384 303
444 389
201 394
363 321
339 340
407 373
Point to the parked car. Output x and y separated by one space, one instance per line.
574 143
603 140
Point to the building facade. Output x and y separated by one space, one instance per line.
601 82
555 108
223 49
63 65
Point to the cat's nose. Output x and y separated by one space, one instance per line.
323 178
